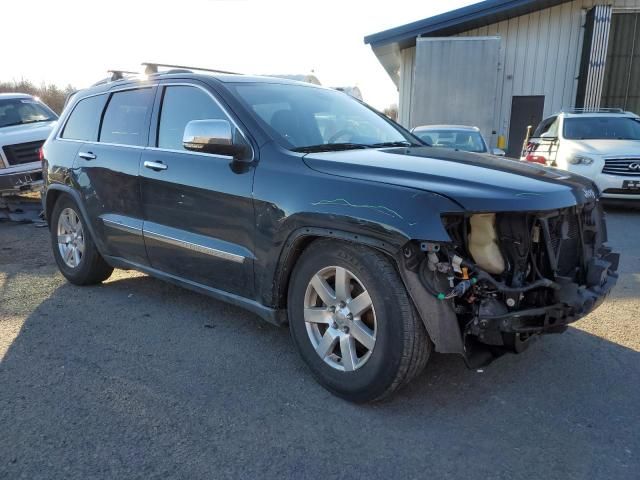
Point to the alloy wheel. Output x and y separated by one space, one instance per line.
70 238
340 319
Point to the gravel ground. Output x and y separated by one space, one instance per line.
139 379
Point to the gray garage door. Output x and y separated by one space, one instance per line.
455 82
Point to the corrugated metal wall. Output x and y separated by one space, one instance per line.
594 56
407 63
622 82
539 55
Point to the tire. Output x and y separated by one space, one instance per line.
400 344
87 267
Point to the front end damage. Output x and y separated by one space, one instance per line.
505 278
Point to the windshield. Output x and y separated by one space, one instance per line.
314 119
18 111
596 128
466 140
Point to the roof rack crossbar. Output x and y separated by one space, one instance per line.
119 74
150 68
114 75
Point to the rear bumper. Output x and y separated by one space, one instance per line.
21 181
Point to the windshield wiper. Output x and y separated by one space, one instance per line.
37 121
336 147
11 124
329 147
403 143
24 123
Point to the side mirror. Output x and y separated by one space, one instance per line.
498 152
213 136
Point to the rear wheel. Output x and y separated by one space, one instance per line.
73 248
353 323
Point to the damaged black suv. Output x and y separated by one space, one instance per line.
305 206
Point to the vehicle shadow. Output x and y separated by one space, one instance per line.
140 378
18 251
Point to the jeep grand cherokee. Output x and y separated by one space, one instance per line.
305 206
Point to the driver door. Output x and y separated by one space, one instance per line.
197 207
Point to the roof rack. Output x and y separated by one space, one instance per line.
119 74
115 76
151 68
594 110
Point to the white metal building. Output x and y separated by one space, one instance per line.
504 64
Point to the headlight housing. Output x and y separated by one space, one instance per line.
577 159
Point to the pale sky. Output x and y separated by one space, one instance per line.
76 41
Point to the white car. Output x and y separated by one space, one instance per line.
457 137
602 145
25 123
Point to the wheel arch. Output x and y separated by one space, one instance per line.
50 199
56 191
438 318
302 238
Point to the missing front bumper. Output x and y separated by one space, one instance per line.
574 302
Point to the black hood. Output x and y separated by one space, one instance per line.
476 182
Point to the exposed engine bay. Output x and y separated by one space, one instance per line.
508 277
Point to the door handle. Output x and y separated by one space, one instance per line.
87 155
157 166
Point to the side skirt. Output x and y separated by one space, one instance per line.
273 316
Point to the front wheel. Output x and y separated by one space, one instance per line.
353 323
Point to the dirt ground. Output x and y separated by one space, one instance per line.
139 379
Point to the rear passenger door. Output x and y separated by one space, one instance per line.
108 171
198 208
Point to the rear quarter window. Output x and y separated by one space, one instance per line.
125 120
84 119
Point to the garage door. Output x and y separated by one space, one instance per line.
455 82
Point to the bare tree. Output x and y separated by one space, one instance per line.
392 112
50 94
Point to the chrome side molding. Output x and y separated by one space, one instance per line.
214 252
109 222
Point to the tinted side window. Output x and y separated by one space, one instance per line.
180 105
84 120
125 118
